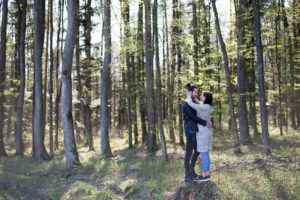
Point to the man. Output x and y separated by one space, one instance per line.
190 127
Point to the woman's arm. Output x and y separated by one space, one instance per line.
197 107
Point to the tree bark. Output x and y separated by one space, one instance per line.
228 80
88 66
141 69
158 83
85 116
105 146
260 70
196 43
278 72
40 152
241 65
125 13
58 85
20 100
2 74
67 118
151 140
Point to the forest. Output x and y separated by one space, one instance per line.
92 92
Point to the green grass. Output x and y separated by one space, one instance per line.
133 174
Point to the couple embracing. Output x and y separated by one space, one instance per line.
197 127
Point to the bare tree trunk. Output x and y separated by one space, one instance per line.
141 68
46 74
158 84
20 100
69 139
125 13
241 64
40 152
180 61
2 73
278 72
149 76
51 83
228 80
105 147
87 127
296 32
196 43
291 56
88 66
58 85
260 70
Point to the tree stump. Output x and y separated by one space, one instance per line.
202 190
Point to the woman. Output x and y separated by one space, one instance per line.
204 134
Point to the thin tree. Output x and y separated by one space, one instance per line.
88 66
195 37
67 118
51 153
291 56
180 62
58 82
228 80
105 146
261 87
158 83
141 69
79 88
125 13
40 152
2 73
278 70
151 140
20 100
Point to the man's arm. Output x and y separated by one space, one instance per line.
193 116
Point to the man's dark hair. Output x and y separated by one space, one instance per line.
190 87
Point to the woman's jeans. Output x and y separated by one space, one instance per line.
205 161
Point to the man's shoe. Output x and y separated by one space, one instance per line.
202 178
189 180
193 175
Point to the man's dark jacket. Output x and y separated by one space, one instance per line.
190 119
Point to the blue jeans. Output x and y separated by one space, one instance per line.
205 161
191 154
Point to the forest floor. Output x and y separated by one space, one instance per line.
133 174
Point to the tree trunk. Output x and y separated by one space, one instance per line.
46 75
278 73
158 84
125 13
84 117
291 89
141 68
228 80
40 152
196 43
151 140
2 73
260 70
241 65
20 100
58 85
51 83
296 31
105 147
67 118
88 66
